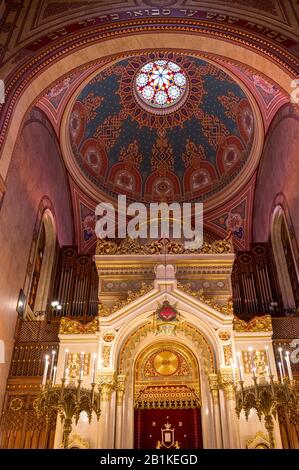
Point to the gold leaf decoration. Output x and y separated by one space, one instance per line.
105 311
131 246
69 326
199 295
262 323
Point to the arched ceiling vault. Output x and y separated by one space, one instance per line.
67 46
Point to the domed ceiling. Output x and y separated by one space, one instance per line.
161 127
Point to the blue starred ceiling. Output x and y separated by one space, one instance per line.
188 151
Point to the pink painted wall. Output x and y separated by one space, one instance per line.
278 174
36 170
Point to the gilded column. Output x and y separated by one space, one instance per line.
107 385
120 389
229 394
214 387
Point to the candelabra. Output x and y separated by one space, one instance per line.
69 400
266 397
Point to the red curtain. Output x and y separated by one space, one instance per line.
186 425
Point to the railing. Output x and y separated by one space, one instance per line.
253 308
81 311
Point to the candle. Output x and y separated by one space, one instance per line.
268 360
240 366
66 375
66 352
94 368
45 370
254 371
281 361
52 363
267 372
233 371
100 369
280 371
287 358
54 375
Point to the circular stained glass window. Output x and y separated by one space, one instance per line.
161 86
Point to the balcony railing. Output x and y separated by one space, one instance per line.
81 311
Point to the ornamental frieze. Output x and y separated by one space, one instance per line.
130 246
69 326
256 324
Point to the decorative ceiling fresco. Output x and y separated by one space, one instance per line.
157 153
38 35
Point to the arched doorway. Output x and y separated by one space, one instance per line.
284 259
42 265
167 402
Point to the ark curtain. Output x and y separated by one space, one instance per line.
186 424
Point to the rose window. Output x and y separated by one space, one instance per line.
161 86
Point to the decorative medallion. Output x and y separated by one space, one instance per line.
224 335
166 363
160 86
16 404
166 312
109 337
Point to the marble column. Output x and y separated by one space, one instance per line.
230 405
120 389
214 386
106 428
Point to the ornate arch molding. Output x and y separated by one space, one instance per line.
77 50
185 330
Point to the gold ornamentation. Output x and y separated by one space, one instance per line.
107 385
199 295
69 401
109 337
120 388
77 442
167 438
266 398
106 356
224 335
74 364
259 360
214 387
105 311
262 323
164 363
69 326
172 396
226 382
227 350
258 441
16 404
132 246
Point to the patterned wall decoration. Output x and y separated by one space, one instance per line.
191 153
235 217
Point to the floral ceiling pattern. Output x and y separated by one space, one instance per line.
190 153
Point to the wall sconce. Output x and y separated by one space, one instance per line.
21 303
